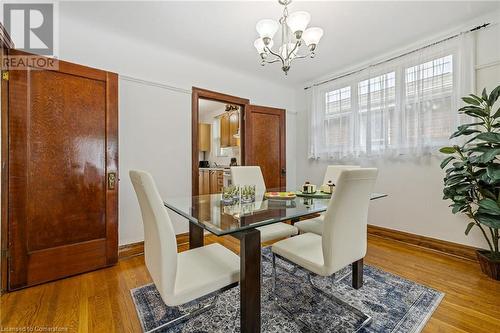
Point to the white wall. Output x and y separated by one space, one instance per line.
155 122
414 187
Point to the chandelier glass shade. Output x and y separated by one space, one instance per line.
297 41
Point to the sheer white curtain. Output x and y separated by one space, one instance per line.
404 106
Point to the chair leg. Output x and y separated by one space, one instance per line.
357 274
367 319
201 309
273 293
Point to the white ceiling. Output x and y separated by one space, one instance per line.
223 32
205 105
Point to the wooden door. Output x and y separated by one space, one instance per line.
62 174
265 144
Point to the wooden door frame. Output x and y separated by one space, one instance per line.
197 94
5 44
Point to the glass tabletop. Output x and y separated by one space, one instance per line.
211 213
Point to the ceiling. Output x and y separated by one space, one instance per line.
205 105
224 32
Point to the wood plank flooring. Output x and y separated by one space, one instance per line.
100 301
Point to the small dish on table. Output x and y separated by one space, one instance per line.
280 195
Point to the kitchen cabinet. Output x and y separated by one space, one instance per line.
229 125
216 181
204 137
234 124
204 182
210 181
224 131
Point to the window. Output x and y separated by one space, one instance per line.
408 107
428 101
338 117
376 107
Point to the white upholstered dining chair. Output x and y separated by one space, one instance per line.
179 277
315 225
252 175
344 236
333 172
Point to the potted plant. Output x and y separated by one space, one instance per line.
472 180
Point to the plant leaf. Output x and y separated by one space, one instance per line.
464 126
491 221
488 156
462 188
485 94
457 207
494 96
493 171
490 206
448 150
486 193
497 114
476 112
446 161
470 140
489 137
477 98
469 227
459 198
470 100
464 132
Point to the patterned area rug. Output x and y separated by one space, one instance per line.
394 303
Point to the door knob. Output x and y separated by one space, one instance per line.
283 172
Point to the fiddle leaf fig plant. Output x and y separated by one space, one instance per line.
472 180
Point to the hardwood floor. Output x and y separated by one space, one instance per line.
100 301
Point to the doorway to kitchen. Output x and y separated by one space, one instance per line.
217 139
228 130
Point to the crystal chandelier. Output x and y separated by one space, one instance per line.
293 35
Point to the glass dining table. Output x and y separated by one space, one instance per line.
240 220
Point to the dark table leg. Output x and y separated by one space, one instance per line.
250 280
195 236
357 274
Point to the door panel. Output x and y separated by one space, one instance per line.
66 156
63 144
265 144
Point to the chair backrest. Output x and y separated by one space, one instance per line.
248 175
160 245
344 228
333 172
